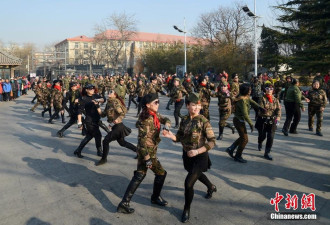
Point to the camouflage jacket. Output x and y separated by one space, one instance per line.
56 98
195 133
152 89
224 100
148 135
205 95
141 90
39 93
256 89
317 97
178 92
272 109
131 88
114 110
189 86
234 88
122 89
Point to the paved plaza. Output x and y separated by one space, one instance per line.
42 182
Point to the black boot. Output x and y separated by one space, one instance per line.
99 151
51 119
158 185
185 215
230 150
259 146
231 127
123 206
84 142
63 119
220 133
267 154
60 134
239 158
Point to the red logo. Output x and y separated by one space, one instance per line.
307 201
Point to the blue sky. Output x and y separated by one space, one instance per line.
44 22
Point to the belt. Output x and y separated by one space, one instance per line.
268 117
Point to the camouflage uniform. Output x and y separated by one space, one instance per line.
115 110
318 100
234 89
195 133
131 90
40 98
225 108
66 81
151 88
188 85
57 101
122 91
266 122
176 95
148 140
205 96
279 84
140 90
100 86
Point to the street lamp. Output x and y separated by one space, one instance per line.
254 16
185 47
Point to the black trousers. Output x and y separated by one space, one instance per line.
73 120
292 112
131 98
92 131
256 99
178 105
266 130
192 177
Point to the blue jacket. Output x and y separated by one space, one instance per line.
6 87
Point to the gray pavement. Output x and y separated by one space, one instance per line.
41 182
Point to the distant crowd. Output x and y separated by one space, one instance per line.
13 88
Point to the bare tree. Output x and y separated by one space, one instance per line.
113 34
224 26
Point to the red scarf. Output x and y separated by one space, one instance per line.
57 87
270 98
188 80
156 120
203 85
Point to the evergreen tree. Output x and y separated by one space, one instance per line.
306 29
269 49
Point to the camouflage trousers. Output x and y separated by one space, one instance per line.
205 111
223 116
312 110
157 168
43 103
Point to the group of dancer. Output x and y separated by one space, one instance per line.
194 131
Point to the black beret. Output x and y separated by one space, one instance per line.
71 84
56 81
88 86
200 79
149 98
153 78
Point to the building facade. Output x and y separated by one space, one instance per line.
114 50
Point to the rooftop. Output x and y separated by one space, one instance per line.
139 36
9 60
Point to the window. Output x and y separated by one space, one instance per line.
85 62
85 52
76 52
94 45
85 45
76 45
